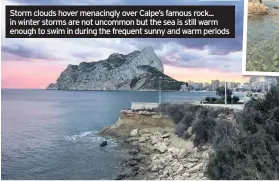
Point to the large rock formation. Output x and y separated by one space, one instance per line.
139 70
256 9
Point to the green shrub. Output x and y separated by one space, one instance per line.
221 91
163 107
235 99
180 129
250 149
213 99
271 99
224 131
244 149
204 130
188 118
220 101
249 156
175 112
208 99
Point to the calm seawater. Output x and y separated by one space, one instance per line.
52 134
263 41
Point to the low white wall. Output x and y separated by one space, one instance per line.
143 105
232 106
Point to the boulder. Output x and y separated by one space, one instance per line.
170 171
132 163
156 157
161 147
135 169
166 141
154 141
146 152
174 151
257 9
134 132
133 151
165 173
195 168
135 143
146 134
138 157
131 139
168 158
103 143
142 139
205 155
192 160
158 133
180 170
154 168
121 176
190 165
189 132
178 178
186 175
165 135
182 154
145 130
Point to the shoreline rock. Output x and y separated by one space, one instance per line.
168 162
257 9
157 153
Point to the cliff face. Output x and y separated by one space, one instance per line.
139 70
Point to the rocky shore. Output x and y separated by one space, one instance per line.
156 153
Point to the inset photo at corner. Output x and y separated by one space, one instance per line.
262 42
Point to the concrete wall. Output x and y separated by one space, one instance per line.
231 106
143 105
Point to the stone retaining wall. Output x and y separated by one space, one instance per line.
143 105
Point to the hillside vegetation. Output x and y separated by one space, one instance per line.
245 144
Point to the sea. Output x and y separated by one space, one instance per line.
263 41
50 134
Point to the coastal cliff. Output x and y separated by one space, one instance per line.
194 142
139 70
157 152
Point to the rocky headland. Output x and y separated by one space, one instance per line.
257 9
139 70
156 152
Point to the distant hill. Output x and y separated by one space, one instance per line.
139 70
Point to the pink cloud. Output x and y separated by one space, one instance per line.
203 74
29 74
40 73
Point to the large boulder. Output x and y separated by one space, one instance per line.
134 132
257 9
103 143
161 147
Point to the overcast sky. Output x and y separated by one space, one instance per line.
34 63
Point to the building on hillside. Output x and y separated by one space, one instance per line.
206 85
215 84
198 86
184 87
262 83
222 84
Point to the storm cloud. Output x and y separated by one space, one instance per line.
179 52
